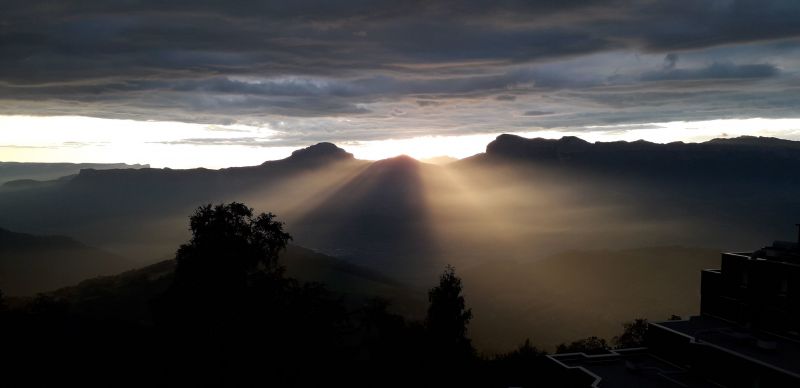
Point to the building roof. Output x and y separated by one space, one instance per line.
783 251
763 348
630 368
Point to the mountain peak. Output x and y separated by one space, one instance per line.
321 151
516 146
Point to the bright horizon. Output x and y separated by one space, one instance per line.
76 139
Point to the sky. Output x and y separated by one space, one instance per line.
216 84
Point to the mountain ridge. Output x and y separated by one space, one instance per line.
516 146
506 145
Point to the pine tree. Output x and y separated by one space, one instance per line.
448 317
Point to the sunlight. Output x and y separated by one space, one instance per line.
80 139
421 147
186 145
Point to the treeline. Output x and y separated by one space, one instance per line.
232 317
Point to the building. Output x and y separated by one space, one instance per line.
747 333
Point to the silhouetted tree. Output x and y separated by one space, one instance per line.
448 317
233 317
47 305
228 244
521 367
589 345
633 335
524 352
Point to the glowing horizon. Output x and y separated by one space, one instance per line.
77 139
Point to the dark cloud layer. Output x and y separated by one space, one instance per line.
252 61
716 70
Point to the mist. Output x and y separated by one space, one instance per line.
522 233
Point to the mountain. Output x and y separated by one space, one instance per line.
757 141
11 171
31 264
319 153
523 199
143 212
754 158
734 193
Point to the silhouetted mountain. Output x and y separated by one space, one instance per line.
717 191
744 158
511 146
30 264
178 185
318 153
149 206
10 171
24 184
758 141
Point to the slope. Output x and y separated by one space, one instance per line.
30 264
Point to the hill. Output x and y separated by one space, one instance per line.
127 295
558 299
31 264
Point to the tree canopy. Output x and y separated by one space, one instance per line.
229 243
633 334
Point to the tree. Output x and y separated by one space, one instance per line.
448 316
523 353
633 335
589 345
228 244
229 290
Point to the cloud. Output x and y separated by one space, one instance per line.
670 60
537 113
716 70
357 69
424 103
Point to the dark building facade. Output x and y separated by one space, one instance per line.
747 333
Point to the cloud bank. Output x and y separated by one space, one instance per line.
356 70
